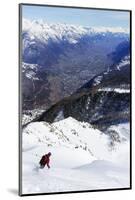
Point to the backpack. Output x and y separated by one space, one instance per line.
42 160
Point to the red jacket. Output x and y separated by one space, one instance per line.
45 160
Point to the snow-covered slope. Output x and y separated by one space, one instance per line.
30 71
125 61
82 158
68 133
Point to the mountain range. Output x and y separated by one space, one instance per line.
58 59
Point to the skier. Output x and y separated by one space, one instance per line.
45 160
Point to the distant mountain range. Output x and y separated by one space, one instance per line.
58 59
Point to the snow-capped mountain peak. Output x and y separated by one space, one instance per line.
42 30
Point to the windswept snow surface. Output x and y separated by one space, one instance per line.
81 157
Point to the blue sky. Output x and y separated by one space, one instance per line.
84 17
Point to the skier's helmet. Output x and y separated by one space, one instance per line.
49 154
